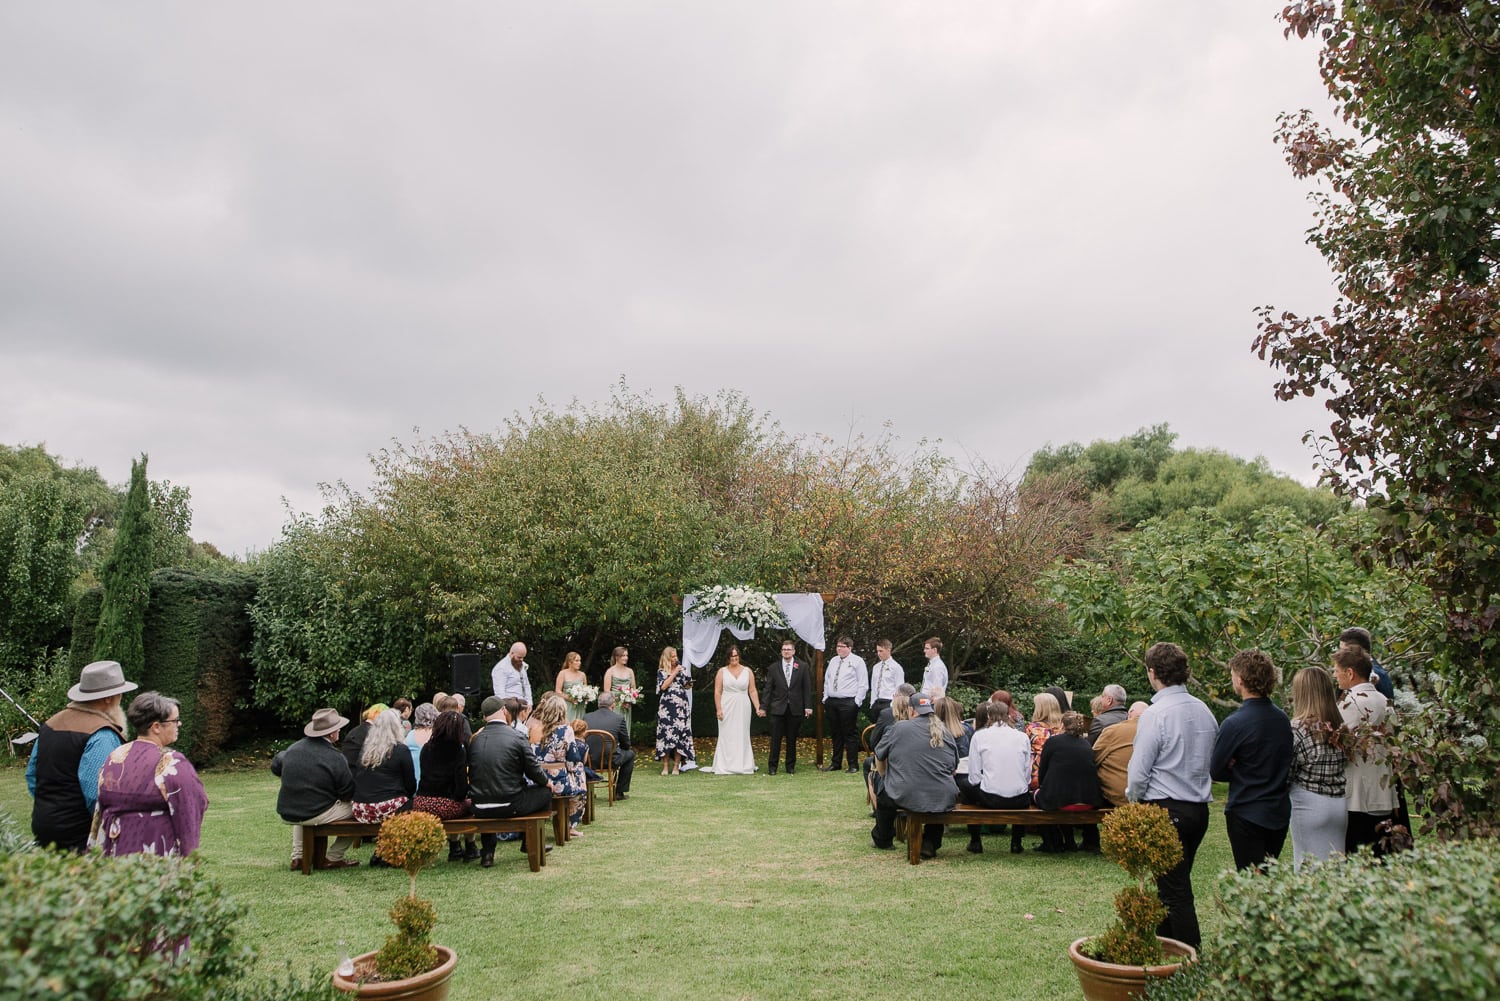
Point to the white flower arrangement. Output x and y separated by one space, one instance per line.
741 607
581 693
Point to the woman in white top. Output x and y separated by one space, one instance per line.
999 767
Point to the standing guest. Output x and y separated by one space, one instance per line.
935 674
422 719
844 686
899 702
999 767
571 674
1253 753
404 707
1174 743
1064 701
316 785
443 788
1112 755
735 698
619 675
1320 816
605 719
561 756
789 700
918 756
1369 788
62 773
509 676
150 798
1067 779
1111 711
885 677
1359 637
354 744
674 725
386 779
500 763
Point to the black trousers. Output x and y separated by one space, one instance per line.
624 762
975 796
788 726
876 708
843 723
1251 843
1176 887
1361 831
884 830
532 799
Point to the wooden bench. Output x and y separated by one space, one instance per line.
315 836
963 813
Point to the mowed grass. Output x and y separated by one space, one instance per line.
697 887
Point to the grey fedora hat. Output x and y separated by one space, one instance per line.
100 680
324 722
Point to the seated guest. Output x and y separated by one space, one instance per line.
1111 710
606 719
316 785
355 742
1068 780
500 763
422 719
579 728
1013 716
1112 755
1064 702
896 710
999 767
917 757
560 755
404 707
951 712
443 788
386 779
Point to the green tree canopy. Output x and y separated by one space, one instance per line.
127 581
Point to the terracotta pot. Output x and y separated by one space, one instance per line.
1112 982
429 986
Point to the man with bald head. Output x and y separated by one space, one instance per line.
509 676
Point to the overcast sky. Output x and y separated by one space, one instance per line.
259 241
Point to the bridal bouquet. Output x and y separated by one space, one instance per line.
626 696
581 693
740 607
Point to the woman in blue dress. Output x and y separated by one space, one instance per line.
674 725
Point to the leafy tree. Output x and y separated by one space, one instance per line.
1215 587
127 581
1103 464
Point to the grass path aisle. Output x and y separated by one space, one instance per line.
698 888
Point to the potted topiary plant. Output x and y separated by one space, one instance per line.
408 965
1140 839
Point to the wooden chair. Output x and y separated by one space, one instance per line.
602 756
864 739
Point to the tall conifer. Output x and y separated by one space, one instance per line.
127 581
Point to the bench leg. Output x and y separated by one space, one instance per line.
913 840
560 823
536 855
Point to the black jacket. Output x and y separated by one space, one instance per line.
500 762
1066 774
445 771
314 776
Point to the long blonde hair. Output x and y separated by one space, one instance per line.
664 664
550 711
936 730
1046 710
1315 705
572 661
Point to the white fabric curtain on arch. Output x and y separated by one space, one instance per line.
700 637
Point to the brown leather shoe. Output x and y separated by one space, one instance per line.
343 863
296 865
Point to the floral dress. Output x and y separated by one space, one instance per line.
561 747
150 801
674 727
1039 733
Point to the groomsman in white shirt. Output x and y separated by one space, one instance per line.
935 675
884 677
844 685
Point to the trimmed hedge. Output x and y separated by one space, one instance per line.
197 634
1413 927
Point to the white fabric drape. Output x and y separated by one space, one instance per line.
700 637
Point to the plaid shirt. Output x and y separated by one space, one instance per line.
1316 767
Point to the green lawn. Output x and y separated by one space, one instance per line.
698 887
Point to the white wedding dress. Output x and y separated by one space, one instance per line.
733 756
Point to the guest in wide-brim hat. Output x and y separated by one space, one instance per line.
316 785
324 722
63 773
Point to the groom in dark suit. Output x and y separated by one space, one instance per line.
789 699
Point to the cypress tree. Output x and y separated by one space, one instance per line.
127 581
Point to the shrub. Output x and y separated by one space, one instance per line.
1413 926
410 841
1139 838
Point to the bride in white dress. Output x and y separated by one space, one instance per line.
734 694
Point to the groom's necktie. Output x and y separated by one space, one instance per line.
786 666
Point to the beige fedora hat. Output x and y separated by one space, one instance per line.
100 680
324 722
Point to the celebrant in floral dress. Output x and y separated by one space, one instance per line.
674 725
150 797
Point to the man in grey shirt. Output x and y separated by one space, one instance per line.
1174 744
918 756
